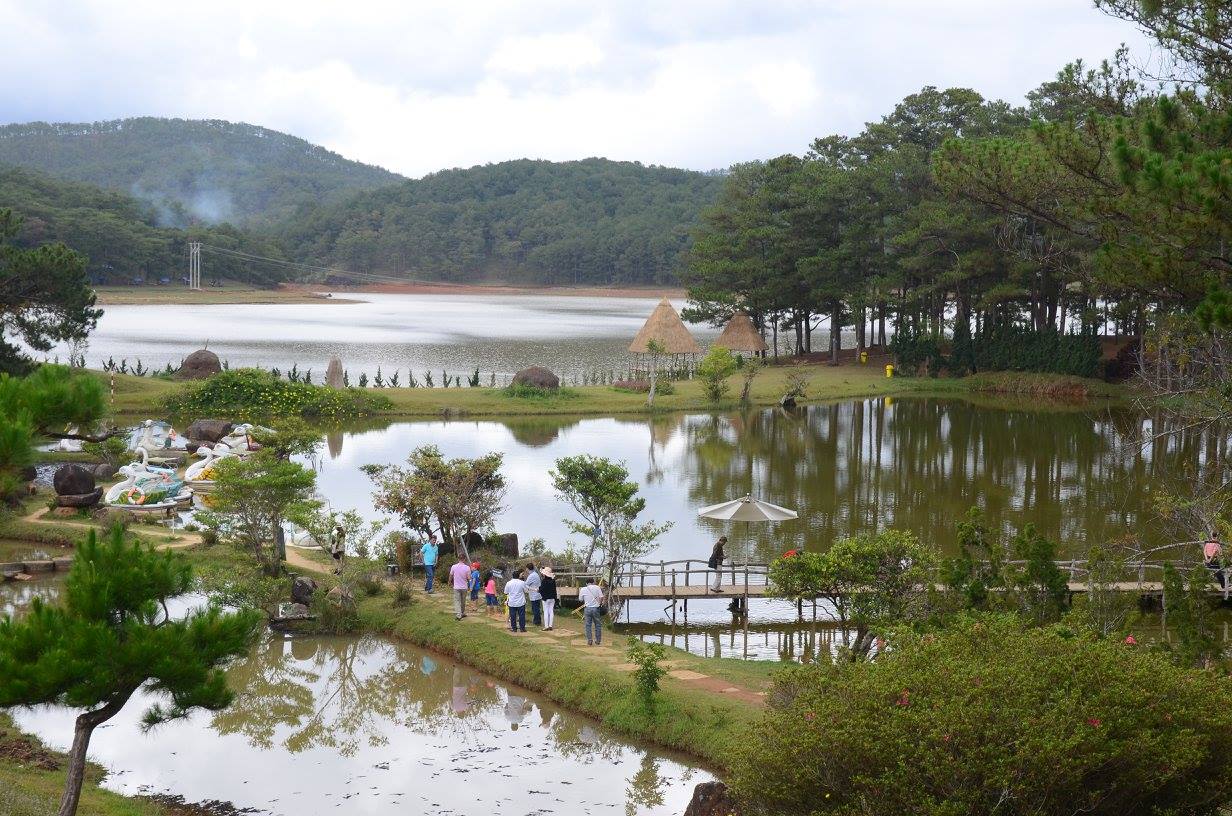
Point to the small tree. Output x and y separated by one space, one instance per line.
459 495
977 572
749 372
1040 588
1187 612
648 660
656 349
253 495
872 581
111 636
600 491
714 369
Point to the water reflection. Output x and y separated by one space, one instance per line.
1080 475
376 726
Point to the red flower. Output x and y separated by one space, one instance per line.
904 698
1094 722
1130 641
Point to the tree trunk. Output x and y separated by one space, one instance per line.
82 731
881 323
836 332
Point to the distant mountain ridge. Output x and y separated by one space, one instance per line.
593 221
205 170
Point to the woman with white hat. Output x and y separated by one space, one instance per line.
547 589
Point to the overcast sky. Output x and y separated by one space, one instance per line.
421 85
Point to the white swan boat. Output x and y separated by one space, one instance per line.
142 491
239 441
198 475
158 450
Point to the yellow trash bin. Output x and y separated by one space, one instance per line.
889 370
864 358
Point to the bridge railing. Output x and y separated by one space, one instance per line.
686 572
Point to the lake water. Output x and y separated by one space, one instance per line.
499 334
369 725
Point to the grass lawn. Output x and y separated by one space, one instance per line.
141 397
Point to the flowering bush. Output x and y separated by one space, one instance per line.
989 717
249 393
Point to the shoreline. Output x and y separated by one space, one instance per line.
481 289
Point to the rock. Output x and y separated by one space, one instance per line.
199 365
302 589
788 402
29 474
207 432
73 480
507 545
333 373
712 799
104 471
537 377
473 541
72 502
296 610
341 597
64 511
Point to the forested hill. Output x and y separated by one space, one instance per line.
207 171
119 234
588 222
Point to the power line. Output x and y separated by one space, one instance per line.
307 267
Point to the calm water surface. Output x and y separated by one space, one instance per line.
499 334
368 725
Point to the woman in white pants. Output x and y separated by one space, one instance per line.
547 590
717 557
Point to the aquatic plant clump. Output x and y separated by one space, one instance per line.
249 393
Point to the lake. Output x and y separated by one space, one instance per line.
370 725
499 334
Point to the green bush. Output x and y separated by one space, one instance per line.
524 391
714 369
249 393
914 351
1014 348
988 718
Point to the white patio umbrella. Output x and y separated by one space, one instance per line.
747 509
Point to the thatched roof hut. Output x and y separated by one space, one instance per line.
665 326
741 335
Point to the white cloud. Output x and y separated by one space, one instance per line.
421 86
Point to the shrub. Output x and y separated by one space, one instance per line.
524 391
249 393
648 658
988 718
662 386
714 369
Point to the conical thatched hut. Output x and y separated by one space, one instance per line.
741 335
664 325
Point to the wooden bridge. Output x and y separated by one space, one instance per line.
682 580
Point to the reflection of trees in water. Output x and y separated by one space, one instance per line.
645 786
16 596
920 463
339 692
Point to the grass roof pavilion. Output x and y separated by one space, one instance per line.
665 325
741 335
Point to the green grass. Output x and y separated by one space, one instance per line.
140 397
32 780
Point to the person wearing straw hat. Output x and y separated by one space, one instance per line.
717 557
547 590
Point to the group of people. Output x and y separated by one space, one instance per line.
533 587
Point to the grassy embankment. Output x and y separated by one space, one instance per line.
32 779
144 395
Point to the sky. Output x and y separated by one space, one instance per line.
422 85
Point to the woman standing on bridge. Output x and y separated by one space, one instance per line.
717 557
1212 556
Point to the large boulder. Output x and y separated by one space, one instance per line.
199 365
333 373
73 480
69 500
712 799
302 589
207 431
538 377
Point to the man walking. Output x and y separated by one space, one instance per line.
429 552
591 597
460 577
717 557
515 598
533 583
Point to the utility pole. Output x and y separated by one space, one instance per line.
194 264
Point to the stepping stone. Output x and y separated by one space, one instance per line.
731 690
685 674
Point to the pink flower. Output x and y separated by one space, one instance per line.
1130 641
904 698
1094 722
810 716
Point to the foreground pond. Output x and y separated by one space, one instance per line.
375 726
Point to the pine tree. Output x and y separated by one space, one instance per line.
111 636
